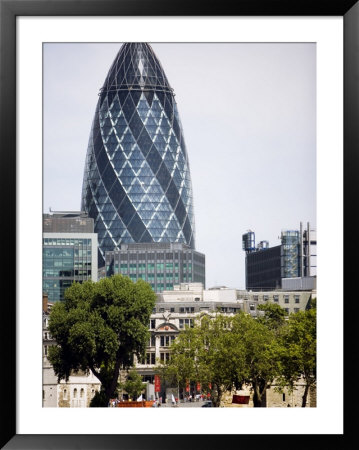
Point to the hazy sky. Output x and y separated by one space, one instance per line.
248 113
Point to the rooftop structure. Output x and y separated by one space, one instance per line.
267 267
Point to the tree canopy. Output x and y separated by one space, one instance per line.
225 352
100 326
133 384
299 344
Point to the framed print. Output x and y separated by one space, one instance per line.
27 30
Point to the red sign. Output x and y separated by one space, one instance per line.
198 387
209 385
240 399
157 383
187 386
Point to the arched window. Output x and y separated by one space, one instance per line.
75 393
65 394
82 392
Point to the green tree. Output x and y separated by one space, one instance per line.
262 351
299 351
224 352
100 327
133 384
203 354
273 315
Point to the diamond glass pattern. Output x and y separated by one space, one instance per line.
137 185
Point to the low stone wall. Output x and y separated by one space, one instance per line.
273 398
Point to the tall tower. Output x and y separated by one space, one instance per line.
137 185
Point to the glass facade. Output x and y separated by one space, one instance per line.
161 265
137 185
268 267
66 259
290 254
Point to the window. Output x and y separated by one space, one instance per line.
185 322
75 393
265 298
152 324
286 310
172 310
82 392
296 310
296 298
276 298
252 307
65 394
164 357
286 299
165 340
151 358
153 341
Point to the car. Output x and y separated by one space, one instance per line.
207 404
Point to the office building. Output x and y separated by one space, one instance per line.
137 184
69 252
292 264
161 264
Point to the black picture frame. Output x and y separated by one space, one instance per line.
9 10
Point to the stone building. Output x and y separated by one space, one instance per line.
291 301
77 391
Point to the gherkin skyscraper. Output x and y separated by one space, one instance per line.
137 185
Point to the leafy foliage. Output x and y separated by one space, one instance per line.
222 352
273 315
299 342
99 327
133 385
99 400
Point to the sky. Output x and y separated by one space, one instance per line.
248 113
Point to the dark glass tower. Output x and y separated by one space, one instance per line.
137 185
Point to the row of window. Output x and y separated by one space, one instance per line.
151 358
62 241
47 273
192 309
275 298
